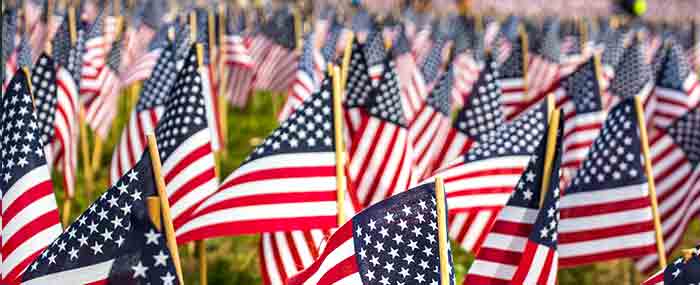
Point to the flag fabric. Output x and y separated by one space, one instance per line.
94 57
579 96
45 100
100 110
9 30
432 121
139 65
611 181
480 182
29 214
146 114
276 72
633 77
65 142
305 82
674 157
412 85
679 272
112 242
381 145
467 64
392 242
543 69
520 247
694 50
293 169
184 143
512 80
24 54
614 43
481 115
357 91
237 57
246 79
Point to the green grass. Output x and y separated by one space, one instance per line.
234 260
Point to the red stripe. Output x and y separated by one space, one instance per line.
482 236
385 160
343 234
15 274
186 161
26 199
615 254
487 172
279 173
293 251
608 232
270 199
605 208
278 258
525 263
547 268
263 263
499 256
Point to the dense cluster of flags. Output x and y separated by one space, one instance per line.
534 144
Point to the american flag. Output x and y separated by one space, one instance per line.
24 54
148 111
381 146
100 108
65 141
141 64
611 181
633 77
184 143
376 55
521 244
9 30
543 68
426 132
674 152
412 84
681 271
209 80
512 80
144 39
479 182
112 242
357 90
44 91
614 43
393 242
305 81
467 63
29 213
694 50
277 69
579 96
430 66
94 58
293 169
259 46
481 115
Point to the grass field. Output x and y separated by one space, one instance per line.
234 260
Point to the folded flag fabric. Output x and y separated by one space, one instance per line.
112 242
394 241
681 271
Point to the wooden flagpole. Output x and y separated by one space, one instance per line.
164 205
201 244
650 177
223 80
153 204
339 151
549 153
442 231
346 61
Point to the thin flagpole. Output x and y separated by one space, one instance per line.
442 231
549 154
164 204
339 153
223 80
201 244
650 177
346 60
153 204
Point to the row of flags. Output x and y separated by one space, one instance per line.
400 132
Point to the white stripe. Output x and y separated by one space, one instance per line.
210 106
82 275
505 242
35 243
27 215
342 252
591 198
552 278
285 160
570 250
185 148
492 269
354 278
480 165
299 243
602 221
32 178
271 264
477 200
478 227
288 264
518 215
261 212
538 261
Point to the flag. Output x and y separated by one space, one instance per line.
395 241
146 114
277 70
694 49
29 213
543 70
45 100
633 77
681 271
24 54
184 143
412 84
381 146
512 80
293 169
139 65
305 82
432 121
357 90
579 96
606 212
94 57
467 63
674 158
65 141
523 236
480 181
112 242
614 43
375 55
481 115
9 30
259 47
100 106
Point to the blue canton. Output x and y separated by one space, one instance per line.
385 102
632 74
440 98
358 86
44 89
685 132
582 87
482 113
157 87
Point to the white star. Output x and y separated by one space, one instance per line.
119 241
404 272
73 253
527 194
384 232
408 259
394 252
530 176
161 258
123 189
374 260
427 251
544 233
413 245
676 273
52 259
136 195
83 240
384 281
97 248
423 264
372 224
152 237
92 227
417 232
107 235
389 267
406 210
133 175
117 222
102 214
379 246
398 239
402 224
369 275
420 278
389 217
139 270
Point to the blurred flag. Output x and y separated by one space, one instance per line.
305 81
381 146
139 66
29 214
512 80
112 242
481 115
614 43
238 59
467 62
287 183
146 114
184 143
611 181
277 69
9 30
431 122
543 70
94 57
100 106
357 92
45 101
412 84
674 152
364 250
633 77
520 247
480 182
694 50
681 271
